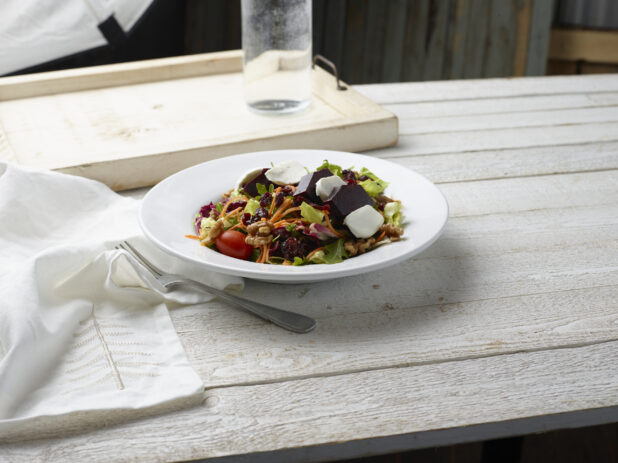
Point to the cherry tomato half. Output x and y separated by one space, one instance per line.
232 243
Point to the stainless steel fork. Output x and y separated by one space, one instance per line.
285 319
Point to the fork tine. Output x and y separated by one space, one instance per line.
140 258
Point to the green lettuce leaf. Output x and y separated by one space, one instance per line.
261 189
298 261
332 253
393 213
335 169
373 185
252 206
311 214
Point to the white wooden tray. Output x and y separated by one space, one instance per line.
130 125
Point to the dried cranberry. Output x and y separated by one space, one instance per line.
275 249
266 199
293 247
279 199
246 218
261 213
348 176
297 201
282 233
235 205
362 178
287 190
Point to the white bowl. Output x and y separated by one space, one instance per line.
167 212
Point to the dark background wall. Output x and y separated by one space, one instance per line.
375 41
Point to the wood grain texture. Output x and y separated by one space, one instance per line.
394 40
413 59
514 162
112 134
412 92
538 43
573 45
362 407
111 75
522 37
487 122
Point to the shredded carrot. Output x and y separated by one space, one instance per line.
330 227
238 225
283 223
272 204
313 252
379 238
231 214
288 211
193 237
226 205
284 206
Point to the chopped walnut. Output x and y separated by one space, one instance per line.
355 247
227 194
213 232
213 214
259 233
391 231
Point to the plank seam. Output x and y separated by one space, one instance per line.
490 97
467 115
510 148
352 371
591 171
494 129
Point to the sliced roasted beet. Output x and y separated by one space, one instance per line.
346 199
306 186
251 187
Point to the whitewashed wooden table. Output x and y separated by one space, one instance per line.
507 325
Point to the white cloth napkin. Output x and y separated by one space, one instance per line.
84 335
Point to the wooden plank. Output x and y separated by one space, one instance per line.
111 75
435 43
483 122
334 31
421 406
523 104
394 40
110 134
588 45
353 49
507 163
413 58
412 92
318 26
374 41
500 139
502 37
538 44
476 37
456 58
522 37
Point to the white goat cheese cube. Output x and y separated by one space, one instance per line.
364 221
326 185
286 173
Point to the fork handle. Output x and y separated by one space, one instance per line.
291 321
